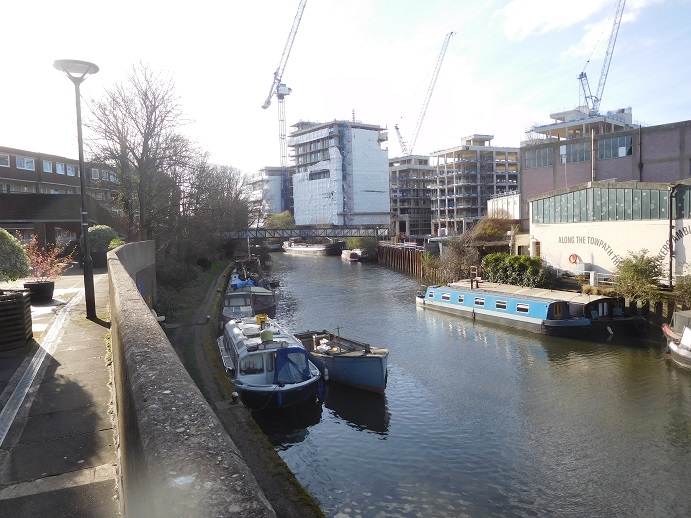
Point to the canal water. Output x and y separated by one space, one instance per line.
479 420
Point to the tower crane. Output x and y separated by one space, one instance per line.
593 101
423 111
280 90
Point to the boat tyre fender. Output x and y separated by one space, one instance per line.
573 258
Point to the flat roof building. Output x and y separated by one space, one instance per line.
341 174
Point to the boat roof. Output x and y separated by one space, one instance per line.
495 288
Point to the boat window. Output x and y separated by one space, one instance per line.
522 308
270 360
460 298
430 294
446 296
253 364
479 301
500 304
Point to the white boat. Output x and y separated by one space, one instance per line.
678 337
236 304
351 255
347 361
269 367
298 247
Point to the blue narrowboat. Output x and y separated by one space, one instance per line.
537 314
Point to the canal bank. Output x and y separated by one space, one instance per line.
195 345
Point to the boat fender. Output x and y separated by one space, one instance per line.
326 373
573 258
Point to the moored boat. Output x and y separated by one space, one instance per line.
678 337
236 304
269 367
298 247
351 255
347 361
539 314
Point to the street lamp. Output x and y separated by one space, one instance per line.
78 71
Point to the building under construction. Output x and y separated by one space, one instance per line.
341 174
466 177
410 177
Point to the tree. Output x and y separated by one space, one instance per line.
283 220
682 292
136 134
637 277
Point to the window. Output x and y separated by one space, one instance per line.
538 158
26 163
94 174
572 153
4 160
319 175
615 147
460 299
500 304
59 168
479 301
522 308
446 296
47 166
71 169
253 364
430 295
112 177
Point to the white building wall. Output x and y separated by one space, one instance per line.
319 202
599 246
371 204
510 204
272 195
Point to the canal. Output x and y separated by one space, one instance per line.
479 420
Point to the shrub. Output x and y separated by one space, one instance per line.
115 243
45 261
100 237
14 263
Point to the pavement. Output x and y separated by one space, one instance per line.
57 449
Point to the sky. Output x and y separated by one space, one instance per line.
508 66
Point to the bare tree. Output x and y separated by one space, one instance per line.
136 126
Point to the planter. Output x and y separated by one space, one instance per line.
100 259
41 291
15 319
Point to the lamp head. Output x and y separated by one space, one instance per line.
76 70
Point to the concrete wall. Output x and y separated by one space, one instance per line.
175 457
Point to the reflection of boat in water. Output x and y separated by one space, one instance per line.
288 427
347 361
678 337
269 367
362 410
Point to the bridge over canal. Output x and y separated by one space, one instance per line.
338 232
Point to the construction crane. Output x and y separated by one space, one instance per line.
593 101
440 59
280 90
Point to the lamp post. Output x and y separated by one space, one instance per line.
78 71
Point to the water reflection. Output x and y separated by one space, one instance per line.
288 426
360 409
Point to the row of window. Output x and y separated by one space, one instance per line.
521 307
614 147
319 175
29 164
602 204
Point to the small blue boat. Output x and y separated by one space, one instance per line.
537 314
347 361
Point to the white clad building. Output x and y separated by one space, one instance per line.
341 174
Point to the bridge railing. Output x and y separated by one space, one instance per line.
307 232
